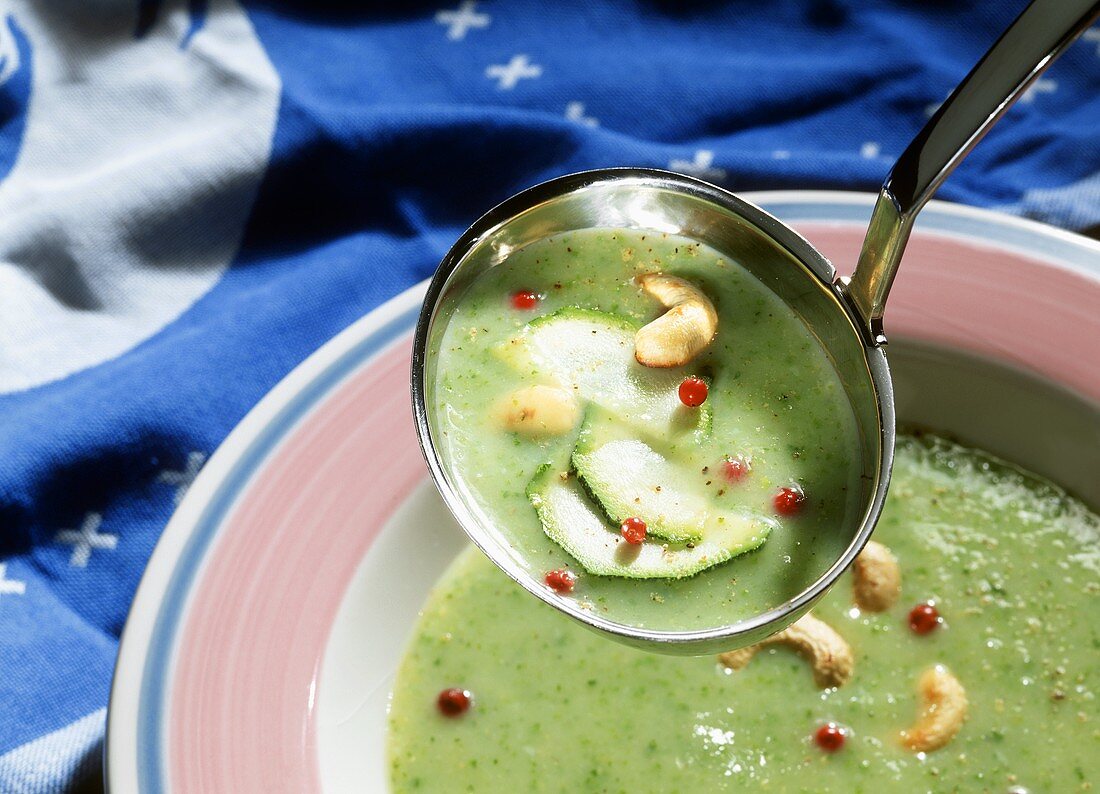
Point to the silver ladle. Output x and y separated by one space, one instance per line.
845 315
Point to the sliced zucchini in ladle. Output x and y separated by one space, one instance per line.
592 353
571 520
629 478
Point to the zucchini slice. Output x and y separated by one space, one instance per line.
628 477
592 353
571 520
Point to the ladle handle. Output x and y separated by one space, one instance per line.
1039 35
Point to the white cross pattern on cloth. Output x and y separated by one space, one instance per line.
10 586
931 108
1093 34
574 111
700 166
85 539
511 73
462 19
184 478
1040 86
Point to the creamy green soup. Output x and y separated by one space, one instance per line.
1010 561
774 407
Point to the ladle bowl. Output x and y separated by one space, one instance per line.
658 201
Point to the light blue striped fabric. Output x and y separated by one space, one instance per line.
69 756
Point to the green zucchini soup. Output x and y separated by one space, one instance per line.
958 654
656 434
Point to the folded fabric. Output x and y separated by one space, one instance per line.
194 196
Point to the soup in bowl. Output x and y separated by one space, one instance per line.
977 675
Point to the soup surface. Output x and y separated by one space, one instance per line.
562 314
1010 561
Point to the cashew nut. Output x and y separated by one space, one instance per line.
876 578
682 332
817 641
537 411
942 715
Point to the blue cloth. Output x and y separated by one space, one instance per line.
195 196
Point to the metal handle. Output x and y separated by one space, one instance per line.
1039 35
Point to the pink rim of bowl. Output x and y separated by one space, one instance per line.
215 686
